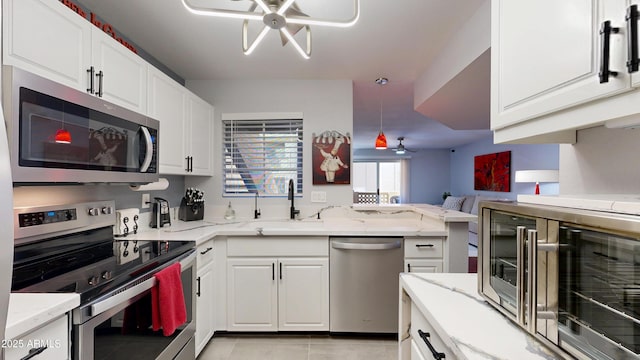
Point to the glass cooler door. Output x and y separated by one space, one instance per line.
599 293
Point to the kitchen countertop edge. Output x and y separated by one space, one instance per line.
28 311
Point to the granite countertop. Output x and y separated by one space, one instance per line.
29 311
452 305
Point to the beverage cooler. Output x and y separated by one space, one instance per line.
569 277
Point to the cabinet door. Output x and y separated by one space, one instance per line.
53 337
200 120
48 39
303 294
422 266
635 76
416 354
204 307
124 73
546 55
167 104
252 294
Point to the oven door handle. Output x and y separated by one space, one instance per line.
130 293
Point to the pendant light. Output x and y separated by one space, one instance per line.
381 140
63 136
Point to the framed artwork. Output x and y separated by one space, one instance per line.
331 153
492 172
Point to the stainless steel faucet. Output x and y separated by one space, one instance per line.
256 211
293 212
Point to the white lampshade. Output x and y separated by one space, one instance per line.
537 176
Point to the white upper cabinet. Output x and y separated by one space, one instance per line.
167 104
547 56
124 73
186 126
46 38
49 39
200 133
550 58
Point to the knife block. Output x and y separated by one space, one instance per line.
191 212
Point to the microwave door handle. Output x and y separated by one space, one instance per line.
532 237
520 273
149 154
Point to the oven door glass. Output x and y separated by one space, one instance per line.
507 249
599 293
58 134
127 335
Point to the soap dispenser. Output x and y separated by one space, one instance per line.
230 214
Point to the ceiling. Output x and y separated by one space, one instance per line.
394 39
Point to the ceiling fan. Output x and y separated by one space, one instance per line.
282 15
401 149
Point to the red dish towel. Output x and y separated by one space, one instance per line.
168 310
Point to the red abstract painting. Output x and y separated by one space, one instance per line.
492 172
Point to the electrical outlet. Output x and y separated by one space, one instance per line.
319 196
146 198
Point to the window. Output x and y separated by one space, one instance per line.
261 156
377 182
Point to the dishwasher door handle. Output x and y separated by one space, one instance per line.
366 246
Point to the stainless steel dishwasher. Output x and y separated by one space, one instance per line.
363 280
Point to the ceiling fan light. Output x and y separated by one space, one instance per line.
400 150
381 141
304 54
258 40
232 14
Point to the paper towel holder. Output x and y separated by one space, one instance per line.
161 184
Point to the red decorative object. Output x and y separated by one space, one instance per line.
63 136
381 141
492 172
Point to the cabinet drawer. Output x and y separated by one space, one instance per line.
428 247
420 323
205 253
278 246
54 336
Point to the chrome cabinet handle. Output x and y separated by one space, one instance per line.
532 240
425 337
520 273
34 352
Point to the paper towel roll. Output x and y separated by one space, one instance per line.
161 184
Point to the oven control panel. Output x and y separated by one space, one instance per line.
47 217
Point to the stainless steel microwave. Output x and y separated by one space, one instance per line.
61 135
569 277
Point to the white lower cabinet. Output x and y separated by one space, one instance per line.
205 305
277 283
271 294
50 342
423 254
415 351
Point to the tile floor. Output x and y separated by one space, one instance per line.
299 347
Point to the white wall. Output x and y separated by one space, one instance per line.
325 104
603 161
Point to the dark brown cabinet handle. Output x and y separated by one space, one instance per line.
187 158
280 271
190 163
632 39
33 352
425 336
605 50
198 290
273 271
424 245
206 251
408 267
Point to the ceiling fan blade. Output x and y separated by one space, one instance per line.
293 28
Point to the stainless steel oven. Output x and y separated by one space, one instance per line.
71 248
569 277
61 135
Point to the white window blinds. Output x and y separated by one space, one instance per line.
262 156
